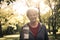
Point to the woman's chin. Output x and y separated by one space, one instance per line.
33 21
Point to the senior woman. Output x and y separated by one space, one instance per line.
34 30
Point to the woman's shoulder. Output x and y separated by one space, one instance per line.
42 26
25 25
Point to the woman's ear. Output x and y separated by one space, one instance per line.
38 15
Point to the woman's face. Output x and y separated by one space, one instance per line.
32 15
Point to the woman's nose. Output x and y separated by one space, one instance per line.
33 16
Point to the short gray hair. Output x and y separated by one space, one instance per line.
32 9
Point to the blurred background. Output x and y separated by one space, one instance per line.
13 17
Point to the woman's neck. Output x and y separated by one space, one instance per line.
33 25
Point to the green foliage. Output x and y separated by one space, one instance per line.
55 18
